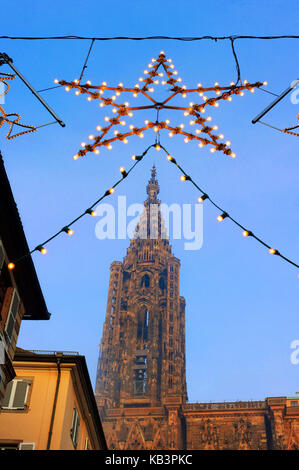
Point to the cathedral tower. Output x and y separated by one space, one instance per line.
142 353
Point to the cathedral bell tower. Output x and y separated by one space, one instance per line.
142 352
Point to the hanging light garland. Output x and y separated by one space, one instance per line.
223 213
6 118
204 133
89 211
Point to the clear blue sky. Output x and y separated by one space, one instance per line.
242 303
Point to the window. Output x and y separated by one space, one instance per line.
87 444
294 403
16 395
27 446
142 324
12 314
75 427
145 281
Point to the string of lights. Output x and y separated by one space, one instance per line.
7 118
89 211
223 213
204 134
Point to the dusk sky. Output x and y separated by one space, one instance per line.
241 302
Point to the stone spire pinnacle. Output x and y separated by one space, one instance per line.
153 188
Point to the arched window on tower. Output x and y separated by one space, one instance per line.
145 281
142 324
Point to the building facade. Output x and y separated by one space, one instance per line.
50 404
141 380
21 297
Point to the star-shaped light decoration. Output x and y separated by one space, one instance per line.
4 117
203 134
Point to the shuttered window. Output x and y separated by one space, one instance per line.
75 427
27 446
16 395
12 314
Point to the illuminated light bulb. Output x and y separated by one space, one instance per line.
111 190
56 80
75 157
198 131
245 233
101 92
181 126
104 83
67 88
11 266
242 93
229 98
192 123
156 82
130 114
191 104
216 84
102 104
99 128
151 89
169 157
175 72
199 85
114 110
218 92
272 251
106 118
170 134
186 140
135 95
215 128
265 83
172 66
204 97
115 132
222 216
68 230
216 104
202 198
141 135
245 82
212 150
118 93
163 82
252 90
77 92
209 118
83 144
89 98
156 129
221 136
185 178
202 110
123 171
123 123
200 145
96 151
145 72
109 146
113 98
184 95
133 157
146 122
162 53
186 113
153 60
167 121
131 126
232 83
140 79
120 84
91 212
91 136
41 249
127 103
157 147
161 74
88 82
233 155
179 79
228 143
125 141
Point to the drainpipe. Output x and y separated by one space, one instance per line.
58 360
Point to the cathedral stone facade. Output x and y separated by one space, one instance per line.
141 381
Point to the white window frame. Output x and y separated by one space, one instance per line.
12 396
15 293
75 427
27 444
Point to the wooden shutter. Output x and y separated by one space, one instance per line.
6 398
12 314
20 394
